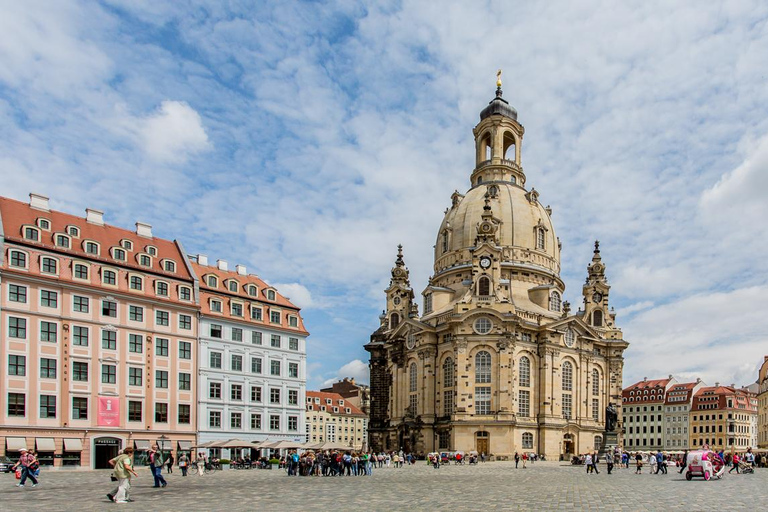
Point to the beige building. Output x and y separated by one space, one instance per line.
644 413
762 405
332 418
497 362
723 417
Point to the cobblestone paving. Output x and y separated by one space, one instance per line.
489 486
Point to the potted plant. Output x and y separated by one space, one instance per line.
224 463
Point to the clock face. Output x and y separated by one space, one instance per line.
597 297
485 262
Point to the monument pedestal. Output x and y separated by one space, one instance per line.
610 441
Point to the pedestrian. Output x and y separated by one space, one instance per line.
652 462
517 459
609 461
639 463
183 463
156 463
685 461
734 463
595 460
588 462
28 464
200 463
123 471
169 463
482 457
525 459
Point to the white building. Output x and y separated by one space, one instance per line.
676 409
252 358
644 413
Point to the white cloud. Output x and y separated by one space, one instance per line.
173 133
296 293
356 369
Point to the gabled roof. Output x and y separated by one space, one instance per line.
336 400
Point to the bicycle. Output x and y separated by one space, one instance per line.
193 468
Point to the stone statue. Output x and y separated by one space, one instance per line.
611 417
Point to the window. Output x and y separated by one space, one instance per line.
162 318
567 376
44 224
185 350
152 251
595 382
527 440
136 283
483 367
134 376
427 304
80 336
80 371
274 422
73 231
554 301
17 327
136 313
216 331
597 318
274 368
49 299
18 259
237 363
62 241
255 421
236 392
214 390
109 340
79 408
256 314
413 378
232 285
81 271
255 365
524 403
252 290
293 397
483 400
126 244
448 402
161 379
17 404
237 334
215 359
274 317
293 343
170 266
448 373
80 304
185 293
144 260
567 406
109 277
135 343
109 308
47 368
91 248
271 295
293 370
185 381
484 286
213 282
255 393
185 322
274 395
47 406
31 234
161 347
274 341
108 374
214 419
161 413
17 293
237 309
17 365
235 420
524 372
540 238
185 414
483 325
161 288
595 409
293 423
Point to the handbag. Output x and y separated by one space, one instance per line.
112 477
18 474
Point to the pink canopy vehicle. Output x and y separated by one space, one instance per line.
704 463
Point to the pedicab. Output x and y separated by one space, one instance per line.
704 463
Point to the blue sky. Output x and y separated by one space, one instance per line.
307 139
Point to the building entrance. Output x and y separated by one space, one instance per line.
105 449
482 443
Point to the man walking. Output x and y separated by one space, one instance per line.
685 461
609 461
156 463
26 461
123 471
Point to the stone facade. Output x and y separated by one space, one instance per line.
762 405
497 362
331 418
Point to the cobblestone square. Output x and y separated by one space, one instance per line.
489 486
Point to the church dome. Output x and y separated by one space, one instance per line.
499 106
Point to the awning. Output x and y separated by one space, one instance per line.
164 444
15 444
185 446
141 444
45 444
73 445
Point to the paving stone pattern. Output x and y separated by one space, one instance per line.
489 486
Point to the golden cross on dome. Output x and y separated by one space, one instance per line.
498 78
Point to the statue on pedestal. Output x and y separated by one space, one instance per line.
611 418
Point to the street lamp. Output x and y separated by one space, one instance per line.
163 439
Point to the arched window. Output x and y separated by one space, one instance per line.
567 376
595 382
554 301
524 369
527 440
484 286
597 318
483 367
509 147
413 378
445 241
540 238
448 374
394 320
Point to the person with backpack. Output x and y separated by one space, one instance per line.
28 464
156 462
123 471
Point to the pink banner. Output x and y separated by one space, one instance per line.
109 412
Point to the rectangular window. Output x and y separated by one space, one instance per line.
17 293
237 309
293 343
293 370
237 363
161 347
109 277
274 317
524 403
255 421
135 343
47 368
49 299
136 283
448 402
185 293
161 413
256 338
18 259
81 271
136 313
274 368
185 381
274 341
91 248
47 406
256 314
109 340
216 306
293 397
17 365
17 327
595 409
483 400
214 419
80 304
161 288
109 308
134 376
216 331
237 334
236 392
185 322
255 393
293 321
79 408
161 379
185 350
185 414
162 318
214 390
17 404
274 395
255 365
293 423
48 331
108 374
215 358
80 336
274 422
80 371
567 406
134 411
49 265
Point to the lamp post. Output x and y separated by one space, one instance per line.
163 439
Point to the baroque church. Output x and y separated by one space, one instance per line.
497 362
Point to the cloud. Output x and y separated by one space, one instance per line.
355 369
296 293
173 133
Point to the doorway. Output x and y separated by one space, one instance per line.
482 442
105 449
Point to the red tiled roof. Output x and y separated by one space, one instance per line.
335 402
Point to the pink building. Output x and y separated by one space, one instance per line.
98 329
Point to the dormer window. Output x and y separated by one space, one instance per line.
80 271
126 244
18 259
236 309
151 250
328 401
253 291
317 400
161 288
49 265
73 231
185 293
118 254
44 224
32 234
216 306
169 266
348 410
213 282
293 321
145 260
271 295
136 283
341 402
232 285
91 247
62 241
